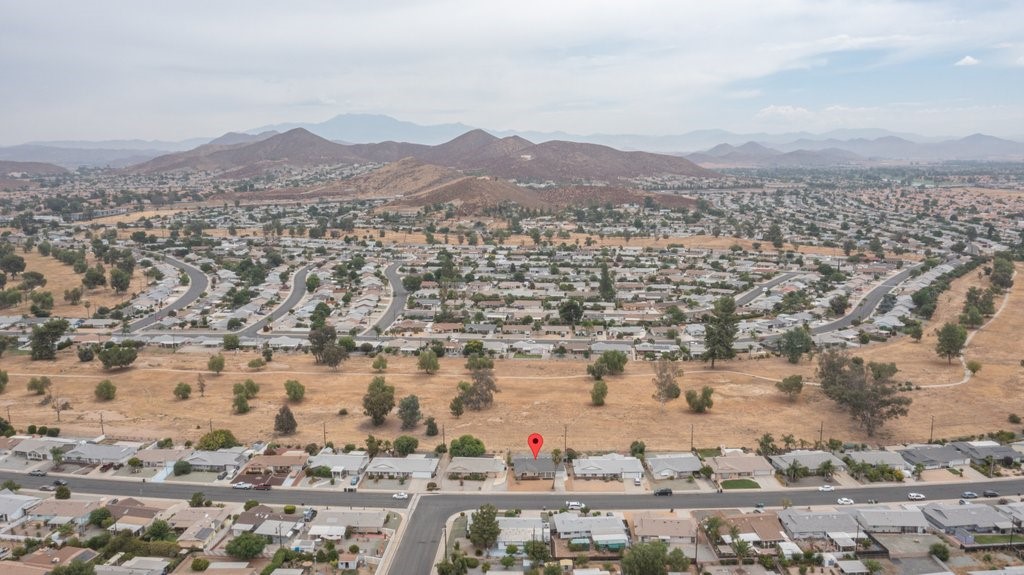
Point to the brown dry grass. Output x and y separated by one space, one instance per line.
549 397
60 277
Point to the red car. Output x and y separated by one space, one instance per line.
262 486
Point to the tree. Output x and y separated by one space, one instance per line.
538 551
467 446
39 385
248 389
159 530
431 425
456 407
973 366
75 567
118 356
319 339
240 404
217 439
678 561
284 421
295 391
98 516
312 282
827 469
405 444
598 393
62 492
120 280
246 546
427 362
666 388
197 499
794 343
199 563
12 264
571 311
865 390
105 390
940 551
791 386
182 467
951 340
795 470
380 363
605 286
379 400
45 337
215 363
720 330
774 235
333 355
409 411
182 391
57 456
700 402
231 342
484 529
73 296
645 559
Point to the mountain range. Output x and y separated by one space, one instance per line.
869 145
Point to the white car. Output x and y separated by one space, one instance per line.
826 488
242 485
400 495
915 496
844 501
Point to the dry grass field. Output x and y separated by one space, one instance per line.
60 277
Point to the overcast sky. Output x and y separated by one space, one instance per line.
174 70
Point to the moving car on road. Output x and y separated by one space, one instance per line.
241 485
262 486
828 488
990 493
60 482
664 491
915 496
400 495
844 501
37 473
968 495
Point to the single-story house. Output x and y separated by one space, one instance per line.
814 525
674 465
57 512
877 457
892 520
14 506
136 566
518 531
332 524
251 520
340 464
812 460
279 530
38 448
98 454
488 466
609 466
275 464
606 531
935 457
221 460
973 518
198 526
732 466
416 466
649 526
529 467
162 457
130 514
761 530
980 451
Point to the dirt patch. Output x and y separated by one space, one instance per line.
60 277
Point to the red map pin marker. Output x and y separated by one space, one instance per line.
535 442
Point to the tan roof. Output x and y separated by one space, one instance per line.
649 524
765 525
739 463
64 507
162 455
192 515
279 460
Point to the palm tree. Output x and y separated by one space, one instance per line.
711 526
826 469
741 548
766 445
795 471
788 441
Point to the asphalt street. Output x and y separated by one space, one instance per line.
398 298
298 290
419 544
197 284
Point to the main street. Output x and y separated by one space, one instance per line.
298 291
420 541
197 284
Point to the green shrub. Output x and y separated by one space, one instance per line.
200 564
289 509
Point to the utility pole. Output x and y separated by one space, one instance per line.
565 439
691 437
821 433
931 432
9 415
211 426
102 431
325 434
443 440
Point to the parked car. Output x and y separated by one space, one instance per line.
573 505
241 485
916 496
400 495
47 488
354 480
990 493
663 491
262 486
828 488
60 482
37 473
222 475
968 495
106 466
844 501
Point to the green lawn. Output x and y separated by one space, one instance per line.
996 538
705 453
739 484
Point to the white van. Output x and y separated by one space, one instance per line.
637 481
573 505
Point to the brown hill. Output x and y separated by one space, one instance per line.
471 194
296 148
30 168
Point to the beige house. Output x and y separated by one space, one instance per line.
732 466
650 526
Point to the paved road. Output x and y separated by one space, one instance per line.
759 289
398 299
298 290
419 543
867 304
197 284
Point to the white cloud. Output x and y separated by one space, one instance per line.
785 113
967 61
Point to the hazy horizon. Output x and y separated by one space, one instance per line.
122 70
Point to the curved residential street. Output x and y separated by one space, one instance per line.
197 284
